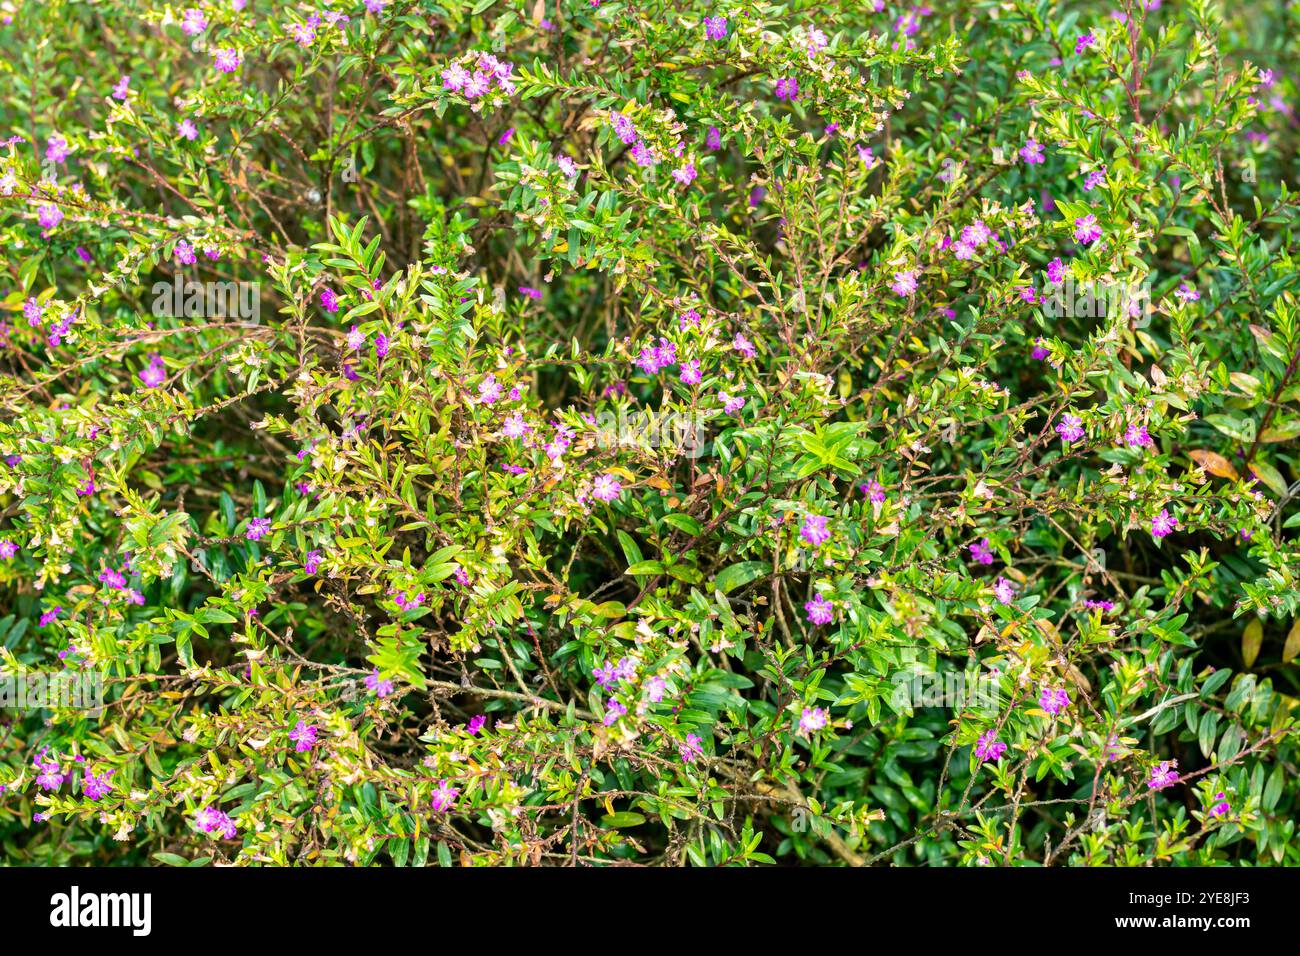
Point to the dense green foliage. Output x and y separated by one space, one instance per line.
848 433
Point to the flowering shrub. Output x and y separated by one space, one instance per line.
698 433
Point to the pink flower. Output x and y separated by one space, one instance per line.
1163 524
211 820
981 552
1086 229
904 283
303 736
329 300
1003 591
1054 700
820 610
812 719
1070 428
606 488
1031 152
96 786
444 796
814 530
1137 437
691 748
987 748
227 60
49 216
1056 271
1163 775
489 390
187 130
614 709
382 687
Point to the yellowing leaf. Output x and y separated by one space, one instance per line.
1292 646
1270 476
1214 463
1251 638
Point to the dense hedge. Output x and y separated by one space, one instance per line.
657 433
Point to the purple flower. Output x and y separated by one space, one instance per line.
1163 524
56 149
115 580
655 688
226 60
1054 700
820 610
489 390
787 89
606 488
1221 806
8 549
611 674
1031 152
904 283
691 748
874 491
257 529
987 748
1137 437
1056 271
49 216
1086 229
1003 591
194 22
812 719
475 725
715 28
1070 428
187 130
303 736
312 562
624 129
742 345
1083 42
614 709
51 774
1040 351
96 786
814 530
380 686
153 374
212 820
714 138
444 796
1163 775
185 253
981 552
329 300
